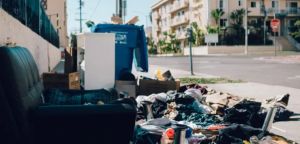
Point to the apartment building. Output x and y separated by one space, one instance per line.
170 16
176 15
287 11
57 13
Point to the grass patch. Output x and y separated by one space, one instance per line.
188 80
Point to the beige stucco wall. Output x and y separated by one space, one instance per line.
24 37
59 7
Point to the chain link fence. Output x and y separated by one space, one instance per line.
32 14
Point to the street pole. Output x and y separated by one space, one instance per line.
265 19
265 25
246 28
275 44
190 32
275 36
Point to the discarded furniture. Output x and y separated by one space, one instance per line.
25 120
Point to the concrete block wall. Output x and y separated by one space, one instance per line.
231 50
44 53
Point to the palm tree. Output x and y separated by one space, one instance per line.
174 42
296 34
198 34
217 14
237 17
237 22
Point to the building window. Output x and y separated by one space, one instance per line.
253 4
293 8
221 4
274 4
240 3
223 22
294 5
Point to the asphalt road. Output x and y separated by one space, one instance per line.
251 69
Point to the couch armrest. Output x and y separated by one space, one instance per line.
84 124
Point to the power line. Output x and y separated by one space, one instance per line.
92 14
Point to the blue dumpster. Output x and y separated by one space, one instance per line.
130 46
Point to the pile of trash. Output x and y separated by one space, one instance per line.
195 114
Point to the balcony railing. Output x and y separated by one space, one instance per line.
180 20
179 5
286 11
156 15
293 10
181 35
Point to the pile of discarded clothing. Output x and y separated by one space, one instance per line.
196 114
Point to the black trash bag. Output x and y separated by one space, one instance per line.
237 133
282 114
158 108
245 112
140 114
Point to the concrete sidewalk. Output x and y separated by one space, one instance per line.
175 72
289 129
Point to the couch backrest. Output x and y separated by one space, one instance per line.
21 85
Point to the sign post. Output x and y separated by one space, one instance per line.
275 24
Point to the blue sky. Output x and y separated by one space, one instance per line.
102 10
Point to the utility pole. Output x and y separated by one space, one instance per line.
124 10
119 12
246 28
80 15
121 6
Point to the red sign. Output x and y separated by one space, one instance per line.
275 24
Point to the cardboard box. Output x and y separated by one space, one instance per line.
128 87
148 87
74 81
61 81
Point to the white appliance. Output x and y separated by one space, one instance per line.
96 60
